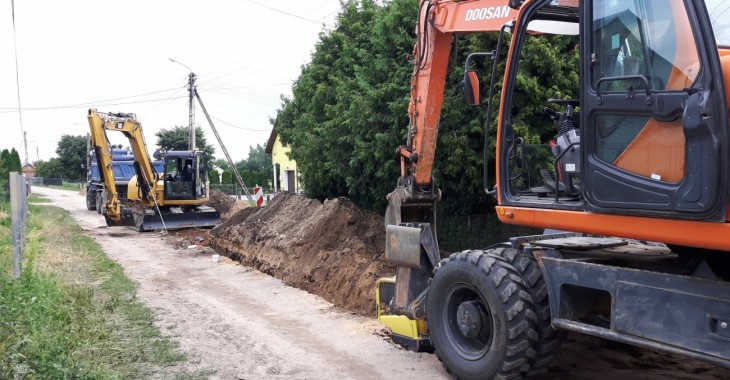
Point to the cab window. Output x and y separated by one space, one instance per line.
650 38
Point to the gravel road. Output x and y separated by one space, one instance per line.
238 323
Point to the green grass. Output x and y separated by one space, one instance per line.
35 198
73 314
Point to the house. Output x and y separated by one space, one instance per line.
28 170
286 177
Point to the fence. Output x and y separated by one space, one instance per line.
64 183
18 215
459 232
234 189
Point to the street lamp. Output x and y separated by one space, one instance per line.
191 110
182 64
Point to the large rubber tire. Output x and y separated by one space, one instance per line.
90 200
99 203
549 339
481 320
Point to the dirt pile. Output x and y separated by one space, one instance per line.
332 249
225 204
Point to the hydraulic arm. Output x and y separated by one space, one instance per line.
132 129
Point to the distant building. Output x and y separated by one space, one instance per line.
286 176
28 170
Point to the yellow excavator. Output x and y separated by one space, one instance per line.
633 191
173 199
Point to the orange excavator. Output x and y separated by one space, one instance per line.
632 192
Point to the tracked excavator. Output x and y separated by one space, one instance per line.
632 189
172 199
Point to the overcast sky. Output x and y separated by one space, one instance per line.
114 56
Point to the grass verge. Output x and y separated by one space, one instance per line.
35 198
73 314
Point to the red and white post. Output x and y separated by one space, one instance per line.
258 196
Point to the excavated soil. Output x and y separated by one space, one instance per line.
331 249
225 204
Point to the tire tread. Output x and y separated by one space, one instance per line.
549 339
517 306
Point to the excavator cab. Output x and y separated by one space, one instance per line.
639 130
186 175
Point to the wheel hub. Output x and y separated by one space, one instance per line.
471 319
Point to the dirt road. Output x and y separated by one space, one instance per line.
237 323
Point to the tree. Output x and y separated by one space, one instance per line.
4 174
9 162
71 153
14 164
214 177
257 160
221 163
257 168
49 169
349 108
176 138
227 177
352 99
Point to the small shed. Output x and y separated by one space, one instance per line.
286 176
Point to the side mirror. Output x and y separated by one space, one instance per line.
471 88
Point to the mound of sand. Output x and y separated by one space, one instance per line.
332 249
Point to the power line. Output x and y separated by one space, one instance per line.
17 71
265 60
93 102
95 105
716 6
235 126
249 98
173 96
720 15
249 86
283 12
265 94
319 6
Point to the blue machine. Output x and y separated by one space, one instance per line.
123 165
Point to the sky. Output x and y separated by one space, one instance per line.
115 56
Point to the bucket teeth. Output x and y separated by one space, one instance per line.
125 220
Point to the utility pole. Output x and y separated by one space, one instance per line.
25 143
193 92
191 109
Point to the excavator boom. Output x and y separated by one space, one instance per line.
438 21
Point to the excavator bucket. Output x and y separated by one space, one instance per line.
176 218
126 220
